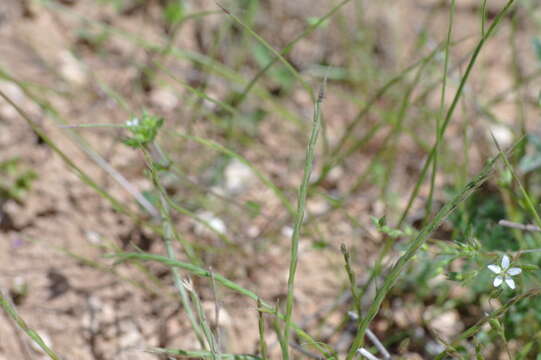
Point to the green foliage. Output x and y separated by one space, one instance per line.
11 311
279 73
381 225
315 20
95 38
479 219
532 160
144 130
253 207
117 4
174 11
15 179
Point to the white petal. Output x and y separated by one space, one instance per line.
510 282
498 281
514 271
505 262
495 269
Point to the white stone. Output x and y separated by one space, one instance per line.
502 134
213 221
164 99
15 94
130 334
447 324
71 69
434 348
335 174
317 206
287 231
238 176
93 237
224 319
253 231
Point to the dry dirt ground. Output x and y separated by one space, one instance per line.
89 311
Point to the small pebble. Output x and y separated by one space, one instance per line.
213 221
238 176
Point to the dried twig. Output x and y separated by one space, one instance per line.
514 225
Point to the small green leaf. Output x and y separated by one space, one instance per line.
152 197
495 325
278 72
313 20
505 178
529 267
522 355
174 12
254 207
454 276
320 244
378 222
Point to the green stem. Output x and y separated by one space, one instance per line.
303 190
452 108
421 238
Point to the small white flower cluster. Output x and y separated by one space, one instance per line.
504 272
133 122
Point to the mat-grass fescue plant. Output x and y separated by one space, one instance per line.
481 255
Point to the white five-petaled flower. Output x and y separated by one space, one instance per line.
504 273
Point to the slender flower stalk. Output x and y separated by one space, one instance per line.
301 204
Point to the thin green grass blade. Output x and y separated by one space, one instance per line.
527 198
158 289
116 204
263 42
200 354
284 347
197 92
84 146
301 204
209 65
414 245
338 155
471 331
10 310
182 210
263 178
198 271
454 103
439 134
377 96
357 296
310 29
169 234
263 350
388 147
390 152
209 336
